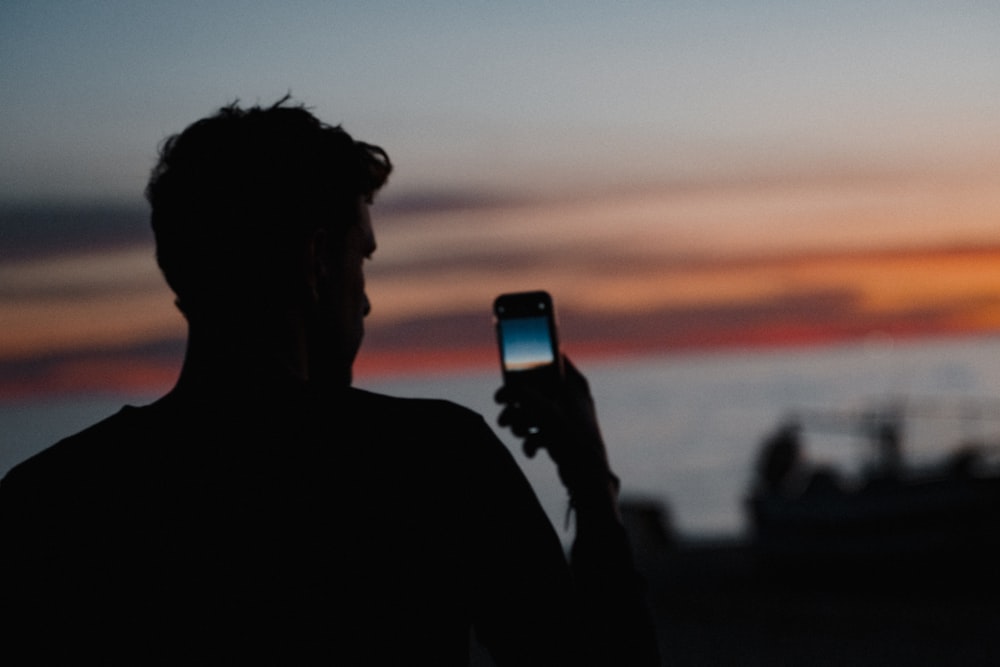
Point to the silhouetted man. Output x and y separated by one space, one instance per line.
265 511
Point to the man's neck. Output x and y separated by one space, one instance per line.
234 361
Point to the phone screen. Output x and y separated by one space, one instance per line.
526 331
526 343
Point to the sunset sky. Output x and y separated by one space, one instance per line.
680 175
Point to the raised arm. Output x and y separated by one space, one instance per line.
609 590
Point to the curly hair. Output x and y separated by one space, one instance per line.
234 194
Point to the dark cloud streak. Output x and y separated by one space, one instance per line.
93 370
808 316
33 230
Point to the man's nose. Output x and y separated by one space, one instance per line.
368 306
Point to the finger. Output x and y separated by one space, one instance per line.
503 395
531 447
511 395
523 428
532 400
535 441
512 413
518 421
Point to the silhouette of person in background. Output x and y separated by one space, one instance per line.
264 510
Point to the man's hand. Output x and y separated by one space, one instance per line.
565 424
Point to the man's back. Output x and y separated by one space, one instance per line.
352 526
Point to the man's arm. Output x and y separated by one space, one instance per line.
614 614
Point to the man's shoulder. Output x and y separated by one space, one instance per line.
88 448
387 408
442 430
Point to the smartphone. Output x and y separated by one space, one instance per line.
526 333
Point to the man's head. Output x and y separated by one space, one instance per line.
244 204
235 195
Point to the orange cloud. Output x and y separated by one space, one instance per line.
766 300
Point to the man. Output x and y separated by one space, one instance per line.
265 511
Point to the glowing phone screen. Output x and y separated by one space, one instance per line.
526 343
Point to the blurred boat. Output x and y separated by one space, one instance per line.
892 514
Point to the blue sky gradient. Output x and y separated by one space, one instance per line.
506 96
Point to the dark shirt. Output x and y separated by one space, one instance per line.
350 528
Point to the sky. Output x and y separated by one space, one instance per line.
679 175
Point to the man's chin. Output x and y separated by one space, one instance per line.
334 376
342 378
